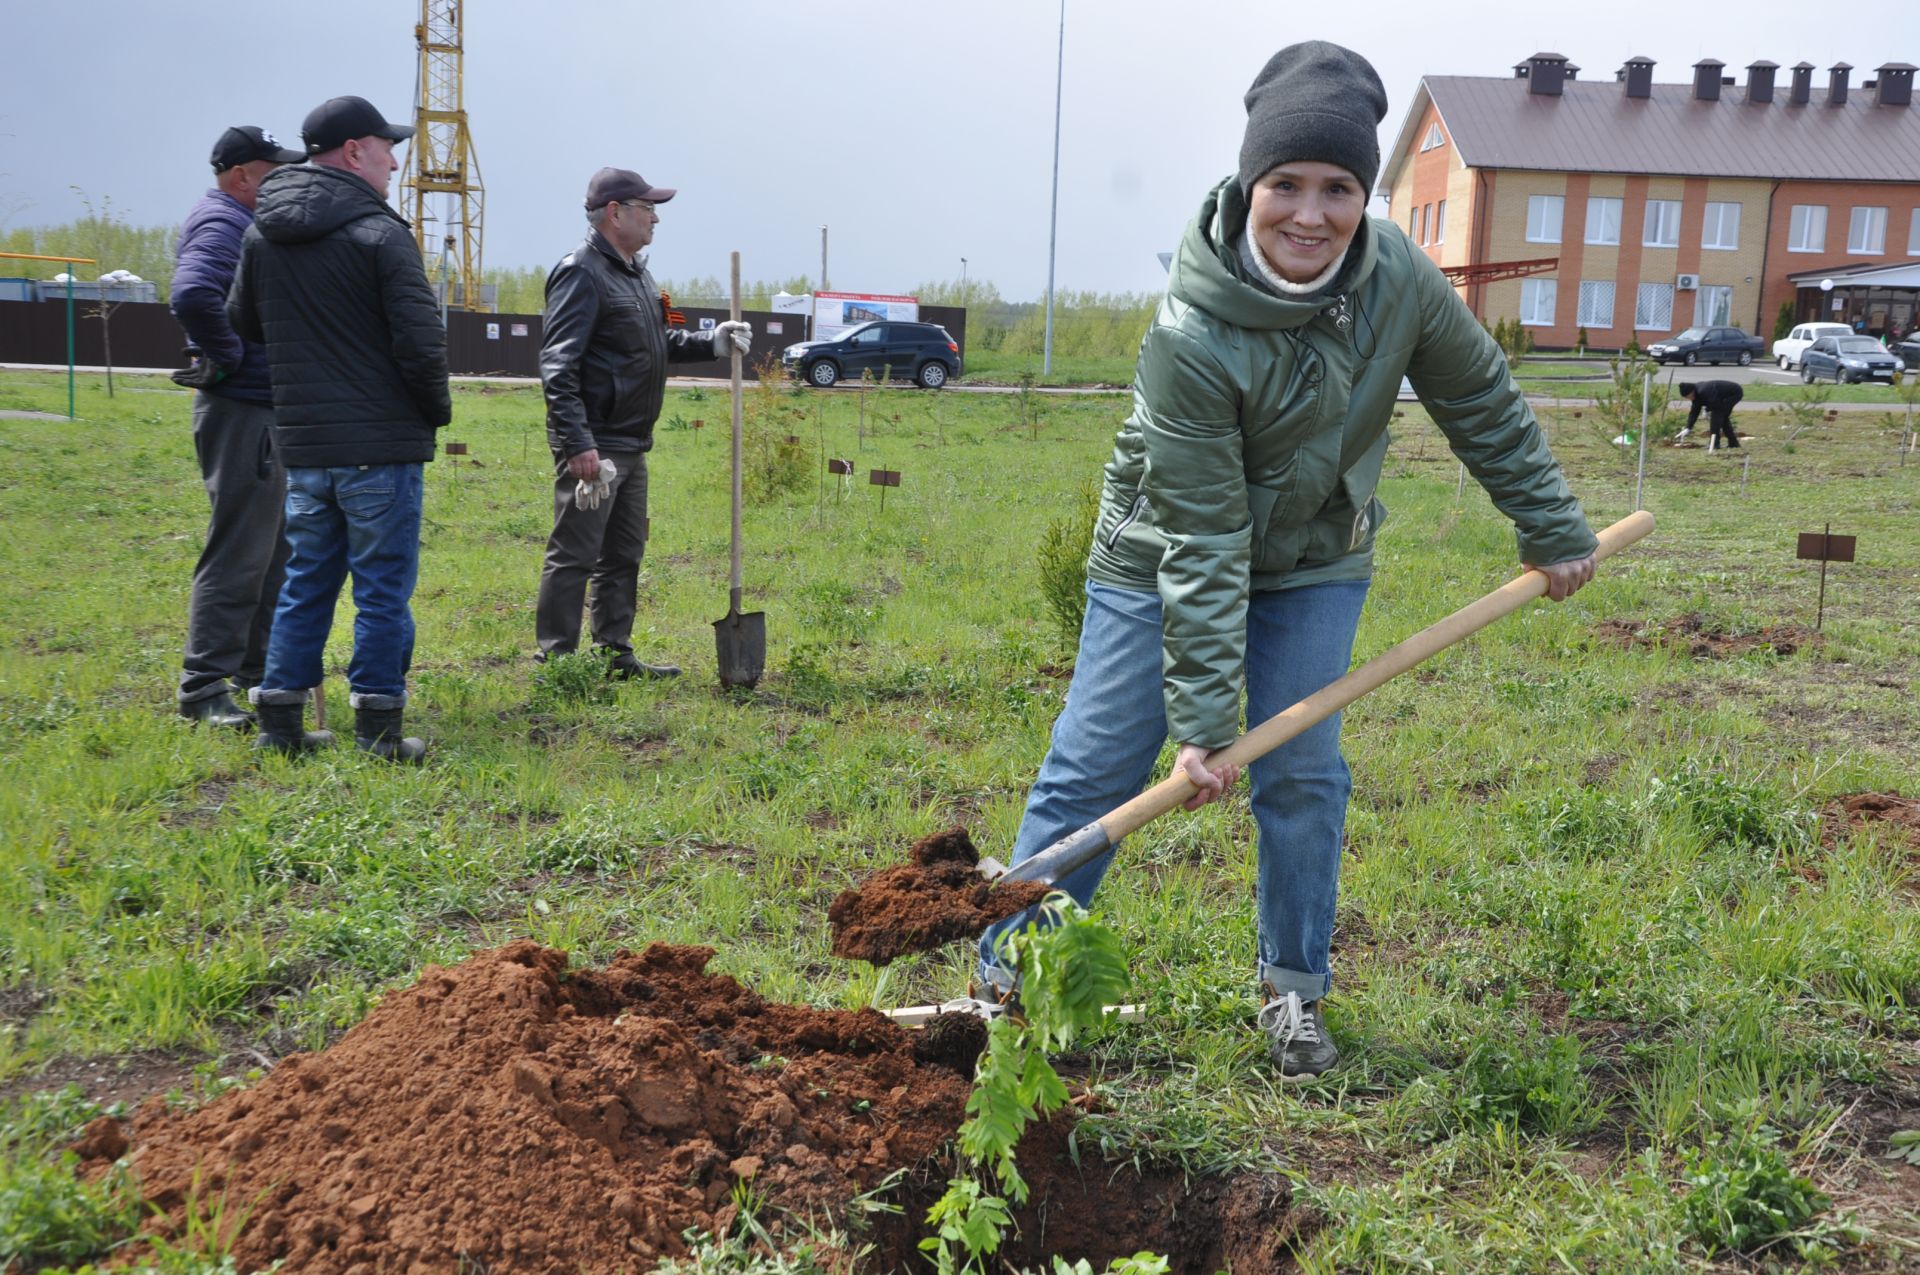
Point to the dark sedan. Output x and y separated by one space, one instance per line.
1909 353
1708 345
1848 359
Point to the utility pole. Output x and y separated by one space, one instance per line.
1053 220
823 259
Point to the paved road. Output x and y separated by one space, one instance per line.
1576 393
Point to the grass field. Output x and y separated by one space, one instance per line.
1614 995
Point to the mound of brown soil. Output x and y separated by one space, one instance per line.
1694 635
936 897
510 1114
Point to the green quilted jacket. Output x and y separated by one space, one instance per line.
1252 457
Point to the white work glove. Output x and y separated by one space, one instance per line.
732 336
588 495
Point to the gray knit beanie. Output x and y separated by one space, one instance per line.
1314 101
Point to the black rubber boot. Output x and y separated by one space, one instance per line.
377 731
218 710
283 729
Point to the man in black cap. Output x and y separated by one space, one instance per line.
237 579
331 280
604 368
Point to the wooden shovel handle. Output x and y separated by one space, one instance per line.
733 312
1382 668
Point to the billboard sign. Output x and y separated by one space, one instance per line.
835 312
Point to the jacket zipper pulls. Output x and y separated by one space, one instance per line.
1342 317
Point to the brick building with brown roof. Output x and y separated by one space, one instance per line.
1662 206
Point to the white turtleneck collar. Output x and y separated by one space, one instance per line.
1282 286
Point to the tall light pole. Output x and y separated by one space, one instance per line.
1053 219
963 281
823 259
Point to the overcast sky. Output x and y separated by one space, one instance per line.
920 132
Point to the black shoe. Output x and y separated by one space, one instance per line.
377 731
218 710
626 668
1297 1039
283 729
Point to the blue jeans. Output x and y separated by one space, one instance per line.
359 520
1108 737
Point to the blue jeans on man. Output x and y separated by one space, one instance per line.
1109 735
353 520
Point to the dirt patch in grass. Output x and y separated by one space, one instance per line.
1693 634
1886 813
117 1078
507 1113
1895 819
935 898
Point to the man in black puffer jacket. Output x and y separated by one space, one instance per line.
331 282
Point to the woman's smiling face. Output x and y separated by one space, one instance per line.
1302 216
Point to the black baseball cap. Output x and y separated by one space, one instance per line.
339 120
244 143
617 185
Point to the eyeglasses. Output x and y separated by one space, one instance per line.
641 204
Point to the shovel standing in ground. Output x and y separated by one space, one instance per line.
739 638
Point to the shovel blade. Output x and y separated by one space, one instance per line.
740 647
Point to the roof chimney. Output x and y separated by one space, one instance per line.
1760 81
1544 73
1638 74
1706 79
1802 90
1896 84
1837 83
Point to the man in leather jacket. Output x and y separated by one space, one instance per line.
603 366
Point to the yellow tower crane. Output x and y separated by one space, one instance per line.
441 160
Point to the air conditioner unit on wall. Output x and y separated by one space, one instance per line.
1687 282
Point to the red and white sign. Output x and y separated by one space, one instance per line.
836 312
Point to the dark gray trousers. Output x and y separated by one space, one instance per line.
236 583
601 547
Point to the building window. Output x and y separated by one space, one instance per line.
1434 139
1663 224
1653 307
1713 307
1722 226
1603 221
1426 211
1913 235
1808 231
1867 232
1440 223
1543 218
1596 303
1537 298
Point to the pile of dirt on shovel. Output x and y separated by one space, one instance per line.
937 897
510 1114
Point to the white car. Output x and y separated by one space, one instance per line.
1788 349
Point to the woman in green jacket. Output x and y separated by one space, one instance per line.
1235 537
